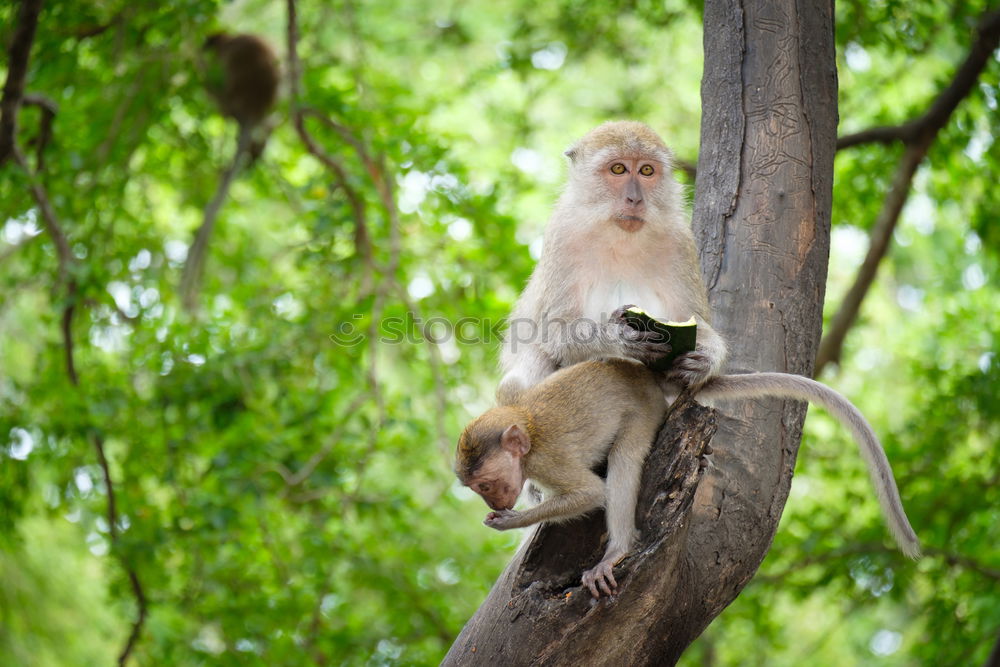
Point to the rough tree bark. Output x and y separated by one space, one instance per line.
762 218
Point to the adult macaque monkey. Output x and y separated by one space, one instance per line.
556 432
619 235
243 77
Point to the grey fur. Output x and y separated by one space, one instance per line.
786 385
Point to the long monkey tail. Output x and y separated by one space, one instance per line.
785 385
194 265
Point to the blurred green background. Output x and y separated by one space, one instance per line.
286 499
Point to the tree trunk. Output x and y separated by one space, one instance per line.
762 217
762 220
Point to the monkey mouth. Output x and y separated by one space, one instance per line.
630 223
501 505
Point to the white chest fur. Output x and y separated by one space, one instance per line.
604 296
613 270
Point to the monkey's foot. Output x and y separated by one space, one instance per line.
503 519
691 369
601 578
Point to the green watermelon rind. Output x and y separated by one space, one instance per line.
682 336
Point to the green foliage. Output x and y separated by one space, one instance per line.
281 459
50 587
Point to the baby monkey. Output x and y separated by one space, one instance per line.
556 434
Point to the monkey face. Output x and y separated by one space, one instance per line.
620 173
499 480
631 180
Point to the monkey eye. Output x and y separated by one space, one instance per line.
646 170
618 168
484 487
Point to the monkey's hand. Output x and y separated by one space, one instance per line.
503 519
601 578
692 369
647 347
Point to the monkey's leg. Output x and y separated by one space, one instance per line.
624 473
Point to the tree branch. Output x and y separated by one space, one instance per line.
831 345
66 326
65 258
980 54
376 171
49 218
63 255
194 264
133 578
93 30
946 102
48 110
884 134
17 70
13 97
65 275
918 135
994 658
140 620
362 239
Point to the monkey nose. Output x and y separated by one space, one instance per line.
633 193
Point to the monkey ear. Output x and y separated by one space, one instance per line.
571 154
515 441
